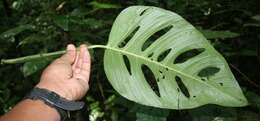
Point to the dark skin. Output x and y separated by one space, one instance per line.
68 76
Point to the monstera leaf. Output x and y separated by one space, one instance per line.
156 58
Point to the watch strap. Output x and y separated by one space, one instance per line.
52 99
55 100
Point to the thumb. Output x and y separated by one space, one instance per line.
70 54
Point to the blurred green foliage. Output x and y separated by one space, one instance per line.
40 26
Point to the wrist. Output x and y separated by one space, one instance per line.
54 100
60 91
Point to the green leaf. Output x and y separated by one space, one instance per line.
256 17
99 5
248 116
114 115
154 58
151 114
213 113
242 52
33 38
95 111
89 22
6 94
252 25
253 99
210 34
14 31
62 21
33 66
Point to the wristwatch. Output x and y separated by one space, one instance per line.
53 100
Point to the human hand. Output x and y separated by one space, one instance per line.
68 75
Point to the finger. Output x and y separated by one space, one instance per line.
70 55
85 70
78 64
76 61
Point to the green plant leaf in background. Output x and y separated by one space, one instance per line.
33 66
213 113
151 114
98 5
256 17
254 99
33 38
211 34
255 23
248 116
14 31
156 58
62 21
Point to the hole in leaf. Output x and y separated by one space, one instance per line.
188 55
126 40
127 64
194 96
163 77
157 79
163 55
221 84
160 71
203 79
150 55
149 76
142 13
166 69
182 87
208 71
155 36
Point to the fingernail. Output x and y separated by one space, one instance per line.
83 45
70 47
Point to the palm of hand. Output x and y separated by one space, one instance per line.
69 75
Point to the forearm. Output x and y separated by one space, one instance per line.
31 110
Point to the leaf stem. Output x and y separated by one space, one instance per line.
242 100
41 55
